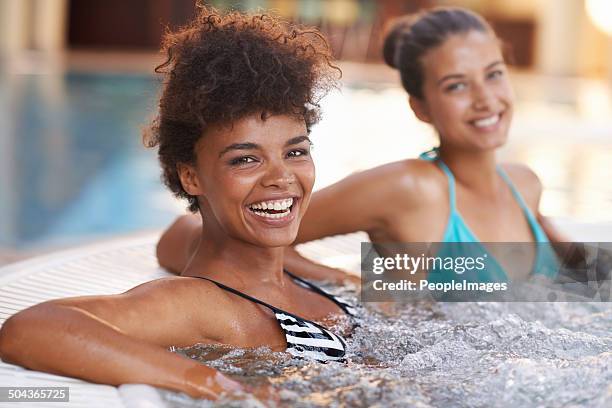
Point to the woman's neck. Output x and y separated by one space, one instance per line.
234 262
476 171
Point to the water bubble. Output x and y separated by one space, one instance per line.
428 354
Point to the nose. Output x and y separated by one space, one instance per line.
483 98
278 175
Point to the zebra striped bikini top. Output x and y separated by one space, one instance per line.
305 338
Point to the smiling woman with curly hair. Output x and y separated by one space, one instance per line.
239 97
222 68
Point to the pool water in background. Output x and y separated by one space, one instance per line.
72 166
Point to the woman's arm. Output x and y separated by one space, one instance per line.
305 268
573 254
112 340
356 203
178 243
551 231
361 202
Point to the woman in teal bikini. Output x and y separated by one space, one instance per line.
452 67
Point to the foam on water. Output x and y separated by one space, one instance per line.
441 355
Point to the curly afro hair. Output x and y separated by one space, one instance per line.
223 67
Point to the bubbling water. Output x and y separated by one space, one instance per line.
428 354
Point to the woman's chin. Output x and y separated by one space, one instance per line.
274 238
491 142
275 242
494 144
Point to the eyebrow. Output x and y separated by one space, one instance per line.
239 146
255 146
297 140
460 76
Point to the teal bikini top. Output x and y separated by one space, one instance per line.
546 262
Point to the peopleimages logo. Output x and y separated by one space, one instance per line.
412 264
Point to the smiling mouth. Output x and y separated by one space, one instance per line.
487 122
273 209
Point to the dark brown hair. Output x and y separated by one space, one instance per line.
411 36
223 67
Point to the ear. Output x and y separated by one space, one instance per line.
420 108
189 180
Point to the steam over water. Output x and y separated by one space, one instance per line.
441 355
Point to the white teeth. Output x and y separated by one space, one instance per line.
490 121
272 216
276 205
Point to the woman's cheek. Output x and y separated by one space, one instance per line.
312 173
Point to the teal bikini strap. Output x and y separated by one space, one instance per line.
451 186
539 234
430 155
546 262
515 192
433 156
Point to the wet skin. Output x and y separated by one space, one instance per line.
124 338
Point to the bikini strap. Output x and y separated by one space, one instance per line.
321 292
433 155
430 155
451 185
519 198
276 310
243 295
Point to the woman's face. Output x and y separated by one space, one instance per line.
255 178
466 92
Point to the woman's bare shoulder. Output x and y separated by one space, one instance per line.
371 199
165 296
175 284
182 291
384 181
400 167
413 181
183 309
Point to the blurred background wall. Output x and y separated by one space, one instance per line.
552 36
76 88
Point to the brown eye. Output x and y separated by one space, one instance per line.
242 160
298 153
457 86
295 153
495 74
